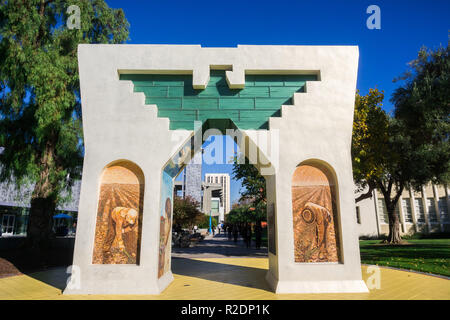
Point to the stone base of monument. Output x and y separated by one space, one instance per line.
343 286
164 281
116 279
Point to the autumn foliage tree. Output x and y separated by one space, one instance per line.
40 113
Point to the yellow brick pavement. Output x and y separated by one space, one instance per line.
229 278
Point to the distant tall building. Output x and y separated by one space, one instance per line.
224 180
193 178
213 194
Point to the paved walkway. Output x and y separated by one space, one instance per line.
219 247
217 269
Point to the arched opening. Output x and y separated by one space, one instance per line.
119 214
315 215
215 187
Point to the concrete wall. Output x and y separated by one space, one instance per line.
368 225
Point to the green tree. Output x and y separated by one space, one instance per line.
40 113
204 222
254 193
422 103
246 214
186 213
411 148
381 154
370 137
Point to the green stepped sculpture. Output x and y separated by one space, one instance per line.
248 108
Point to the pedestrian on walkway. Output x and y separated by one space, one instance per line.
243 232
258 234
229 232
235 233
248 235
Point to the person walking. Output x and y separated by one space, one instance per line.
229 232
258 234
235 233
248 235
243 231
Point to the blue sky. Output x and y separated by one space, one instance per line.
406 25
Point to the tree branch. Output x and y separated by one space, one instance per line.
366 195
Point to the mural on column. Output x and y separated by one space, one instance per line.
119 215
165 224
315 215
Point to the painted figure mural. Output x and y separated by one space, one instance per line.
315 215
165 225
119 215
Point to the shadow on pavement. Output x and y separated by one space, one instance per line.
219 246
53 270
221 272
56 277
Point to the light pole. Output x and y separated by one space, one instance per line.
210 222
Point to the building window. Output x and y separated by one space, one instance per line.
418 205
431 210
7 226
382 211
407 212
358 215
443 209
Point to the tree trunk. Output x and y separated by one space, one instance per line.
394 220
394 225
42 209
40 222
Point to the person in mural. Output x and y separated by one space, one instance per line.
117 234
314 215
319 217
166 221
124 219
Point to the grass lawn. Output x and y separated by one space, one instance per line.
425 255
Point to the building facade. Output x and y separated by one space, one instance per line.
192 178
15 206
213 200
213 194
224 180
423 211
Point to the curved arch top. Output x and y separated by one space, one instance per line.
315 216
119 214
